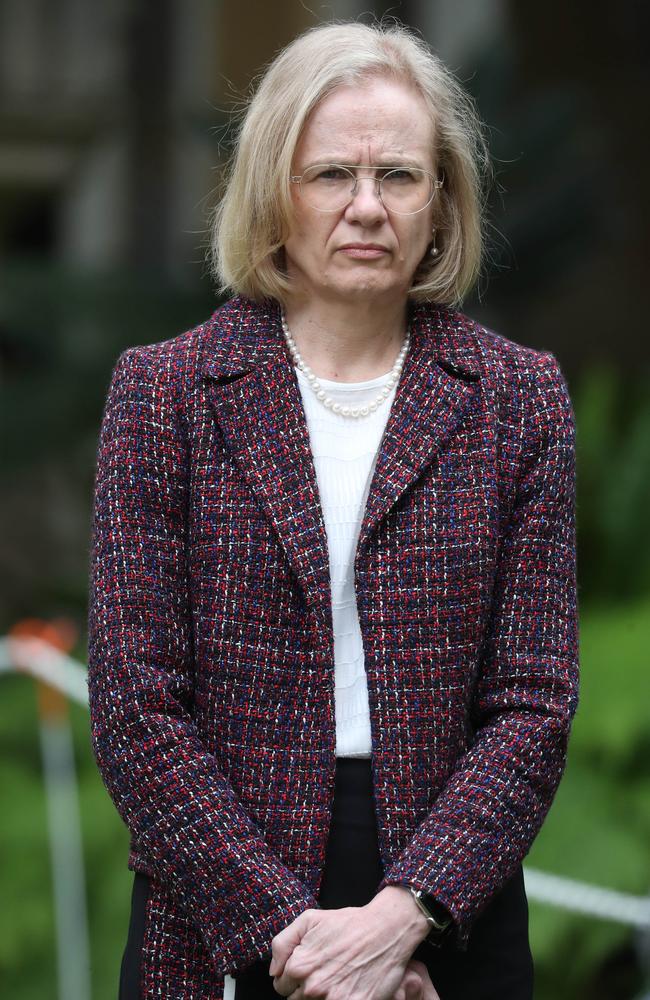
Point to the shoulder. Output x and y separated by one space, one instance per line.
174 360
236 331
524 382
158 384
501 358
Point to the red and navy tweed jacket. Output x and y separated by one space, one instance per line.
211 666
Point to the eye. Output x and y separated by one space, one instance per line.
329 173
402 175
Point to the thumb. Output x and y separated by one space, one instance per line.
289 938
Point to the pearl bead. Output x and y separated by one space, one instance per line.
326 400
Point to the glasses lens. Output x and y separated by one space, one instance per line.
327 187
407 190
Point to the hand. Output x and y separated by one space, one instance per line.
416 983
353 953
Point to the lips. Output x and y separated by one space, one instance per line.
363 246
364 251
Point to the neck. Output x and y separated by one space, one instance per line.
347 342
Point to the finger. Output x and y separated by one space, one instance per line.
410 987
429 991
276 967
293 990
424 989
283 943
286 986
417 966
413 986
296 969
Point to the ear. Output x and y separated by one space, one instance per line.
428 262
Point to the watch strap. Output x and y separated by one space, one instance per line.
437 916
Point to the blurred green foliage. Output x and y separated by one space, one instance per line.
61 333
613 468
598 828
27 933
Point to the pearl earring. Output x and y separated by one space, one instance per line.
434 249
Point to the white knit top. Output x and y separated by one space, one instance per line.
345 453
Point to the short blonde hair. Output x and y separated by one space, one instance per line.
251 222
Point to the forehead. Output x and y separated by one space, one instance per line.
368 123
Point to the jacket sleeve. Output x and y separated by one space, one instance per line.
486 817
181 811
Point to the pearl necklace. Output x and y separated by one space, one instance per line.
331 404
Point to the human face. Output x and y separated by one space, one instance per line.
361 251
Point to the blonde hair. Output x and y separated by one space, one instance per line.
252 220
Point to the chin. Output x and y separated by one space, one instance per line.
365 287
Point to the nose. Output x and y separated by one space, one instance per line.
366 203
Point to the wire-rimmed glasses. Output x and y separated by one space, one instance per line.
329 187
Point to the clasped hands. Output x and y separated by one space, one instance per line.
354 953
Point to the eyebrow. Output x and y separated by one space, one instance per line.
398 161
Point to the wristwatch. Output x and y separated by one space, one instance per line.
438 917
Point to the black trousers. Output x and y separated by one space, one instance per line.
497 965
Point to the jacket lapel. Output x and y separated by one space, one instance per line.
256 400
437 387
255 397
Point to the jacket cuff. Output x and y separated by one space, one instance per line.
252 933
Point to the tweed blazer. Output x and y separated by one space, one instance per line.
211 666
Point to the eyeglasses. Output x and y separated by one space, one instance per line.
329 187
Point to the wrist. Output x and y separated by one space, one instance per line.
398 904
438 918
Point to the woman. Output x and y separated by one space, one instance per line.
332 636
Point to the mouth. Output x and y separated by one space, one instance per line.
364 251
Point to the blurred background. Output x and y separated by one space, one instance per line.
113 118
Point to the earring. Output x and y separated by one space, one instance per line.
434 249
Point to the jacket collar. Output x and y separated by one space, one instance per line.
243 334
255 396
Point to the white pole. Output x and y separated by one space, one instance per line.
66 850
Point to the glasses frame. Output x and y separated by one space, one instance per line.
436 184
